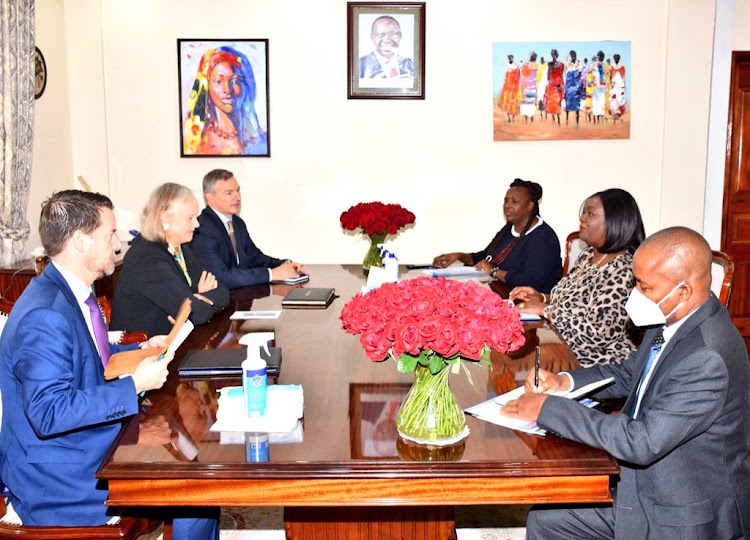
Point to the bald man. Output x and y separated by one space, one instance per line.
682 437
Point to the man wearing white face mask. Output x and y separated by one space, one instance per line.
682 437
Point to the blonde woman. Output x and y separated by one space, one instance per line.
159 271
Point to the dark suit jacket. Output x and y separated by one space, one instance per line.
59 415
213 249
370 68
152 286
685 471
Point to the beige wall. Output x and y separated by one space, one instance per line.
435 156
52 165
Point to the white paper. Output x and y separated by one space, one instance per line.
528 317
284 406
246 315
489 410
455 271
180 337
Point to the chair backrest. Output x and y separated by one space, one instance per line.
573 248
722 276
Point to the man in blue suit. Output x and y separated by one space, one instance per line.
222 244
60 415
682 436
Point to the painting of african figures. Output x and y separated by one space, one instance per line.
561 90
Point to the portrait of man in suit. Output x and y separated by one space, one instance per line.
386 61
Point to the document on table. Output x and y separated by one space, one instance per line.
245 315
489 410
294 280
528 317
455 271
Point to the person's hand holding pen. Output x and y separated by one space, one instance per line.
528 405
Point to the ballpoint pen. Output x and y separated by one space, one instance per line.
536 368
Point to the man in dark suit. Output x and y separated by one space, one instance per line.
60 416
222 244
384 62
682 436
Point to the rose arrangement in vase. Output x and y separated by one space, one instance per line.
376 221
428 325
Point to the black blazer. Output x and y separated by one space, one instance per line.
152 286
213 249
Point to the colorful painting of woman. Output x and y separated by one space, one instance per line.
221 119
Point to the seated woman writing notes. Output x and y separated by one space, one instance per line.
159 271
526 251
588 305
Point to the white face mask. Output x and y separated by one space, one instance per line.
644 311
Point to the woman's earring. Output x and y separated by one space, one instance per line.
166 226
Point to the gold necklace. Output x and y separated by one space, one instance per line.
587 267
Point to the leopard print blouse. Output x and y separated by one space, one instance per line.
589 309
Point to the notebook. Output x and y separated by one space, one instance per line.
308 297
203 362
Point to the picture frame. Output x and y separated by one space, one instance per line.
561 90
386 50
223 97
372 416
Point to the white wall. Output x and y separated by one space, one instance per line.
435 156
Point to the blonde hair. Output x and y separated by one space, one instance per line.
161 200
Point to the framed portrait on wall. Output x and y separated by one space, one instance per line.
223 86
385 50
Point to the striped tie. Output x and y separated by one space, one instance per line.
233 240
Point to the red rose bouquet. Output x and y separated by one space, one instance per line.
376 221
427 324
376 218
432 321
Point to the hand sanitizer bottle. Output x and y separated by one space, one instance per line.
254 381
390 263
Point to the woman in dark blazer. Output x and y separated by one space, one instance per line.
159 272
526 251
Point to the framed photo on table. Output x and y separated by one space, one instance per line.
385 50
372 413
223 86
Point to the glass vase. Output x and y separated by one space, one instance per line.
430 411
373 257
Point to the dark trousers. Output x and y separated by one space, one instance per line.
565 523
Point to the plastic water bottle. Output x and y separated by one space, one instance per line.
256 447
254 384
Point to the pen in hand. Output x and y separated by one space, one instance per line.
536 368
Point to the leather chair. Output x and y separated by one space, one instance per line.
573 248
722 276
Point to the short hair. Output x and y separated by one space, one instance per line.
682 251
383 18
622 219
209 181
66 212
161 200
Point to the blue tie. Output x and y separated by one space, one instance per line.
653 352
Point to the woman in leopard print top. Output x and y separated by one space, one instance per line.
588 305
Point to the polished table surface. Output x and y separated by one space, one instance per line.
350 454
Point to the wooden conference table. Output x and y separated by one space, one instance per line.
350 459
